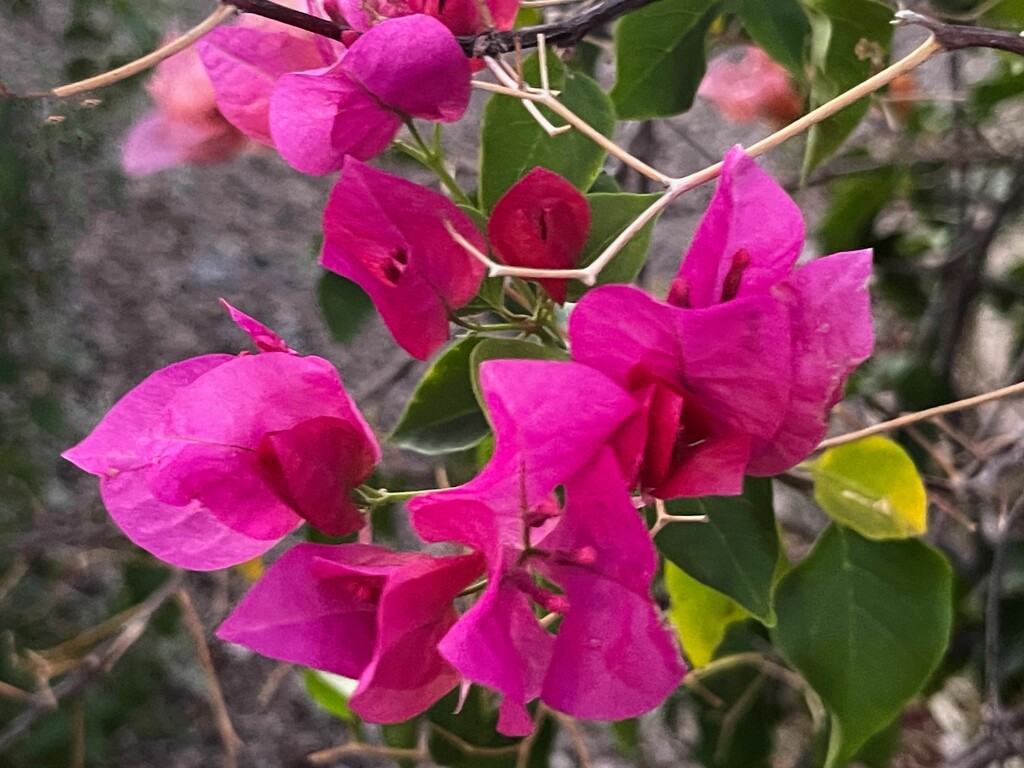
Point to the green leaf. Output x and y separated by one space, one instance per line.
840 32
331 692
873 487
443 415
856 200
610 213
512 143
502 349
344 305
865 623
701 615
736 552
780 27
659 58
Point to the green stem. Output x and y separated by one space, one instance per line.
378 497
430 157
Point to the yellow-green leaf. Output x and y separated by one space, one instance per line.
873 487
700 614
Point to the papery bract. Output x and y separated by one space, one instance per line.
611 657
738 370
363 612
245 62
185 125
746 84
401 68
209 462
541 222
388 235
462 17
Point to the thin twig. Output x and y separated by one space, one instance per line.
356 749
570 726
177 45
273 682
928 413
664 518
954 37
92 666
232 743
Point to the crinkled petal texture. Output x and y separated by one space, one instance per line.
209 462
364 612
596 552
737 372
541 222
244 64
406 67
388 235
462 17
746 84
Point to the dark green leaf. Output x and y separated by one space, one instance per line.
442 415
512 143
855 202
865 623
344 305
843 33
736 552
659 58
610 213
780 27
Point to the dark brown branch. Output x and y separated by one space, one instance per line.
562 33
953 37
292 18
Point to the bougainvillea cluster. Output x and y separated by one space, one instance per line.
546 591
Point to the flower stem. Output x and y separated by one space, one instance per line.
432 158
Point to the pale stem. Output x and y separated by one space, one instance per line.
677 187
535 113
177 45
928 413
545 3
328 756
664 518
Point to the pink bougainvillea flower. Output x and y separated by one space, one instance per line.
746 84
462 17
407 67
542 221
388 235
360 611
185 126
738 369
611 657
245 62
211 461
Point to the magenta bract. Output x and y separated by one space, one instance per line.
388 235
611 657
211 461
541 222
401 68
738 370
360 611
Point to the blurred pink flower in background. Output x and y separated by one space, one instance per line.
185 126
745 84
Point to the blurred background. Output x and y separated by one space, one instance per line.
106 658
